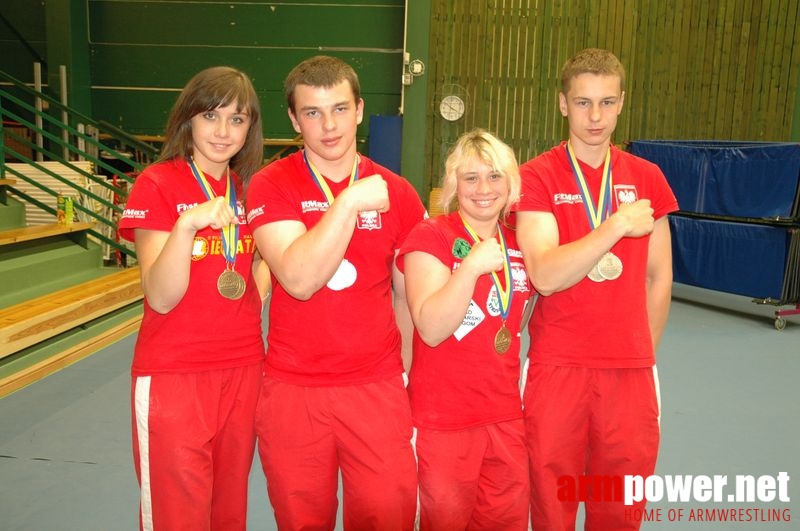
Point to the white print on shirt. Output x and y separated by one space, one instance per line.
625 193
369 219
314 206
492 302
183 207
519 280
200 248
519 276
253 214
473 318
561 198
344 277
132 213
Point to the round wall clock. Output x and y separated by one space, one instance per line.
451 108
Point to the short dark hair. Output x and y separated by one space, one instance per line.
320 71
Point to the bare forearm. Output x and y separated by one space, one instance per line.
443 311
261 277
659 299
310 261
166 279
406 327
563 266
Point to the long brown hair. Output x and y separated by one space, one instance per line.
208 89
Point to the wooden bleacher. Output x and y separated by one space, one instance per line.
27 324
33 321
41 231
55 327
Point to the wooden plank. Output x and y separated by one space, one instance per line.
30 322
759 92
41 231
659 83
44 368
785 76
771 62
675 80
629 35
725 64
739 79
707 18
792 58
7 182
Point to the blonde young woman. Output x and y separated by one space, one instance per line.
467 287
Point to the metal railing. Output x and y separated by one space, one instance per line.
31 136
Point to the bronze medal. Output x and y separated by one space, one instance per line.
502 340
610 266
231 285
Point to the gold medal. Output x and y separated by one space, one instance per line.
610 266
502 340
231 285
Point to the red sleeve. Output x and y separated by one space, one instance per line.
147 207
534 195
271 195
427 237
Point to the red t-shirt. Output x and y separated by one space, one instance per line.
591 324
205 330
463 382
346 332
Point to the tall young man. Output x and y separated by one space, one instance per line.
329 222
593 230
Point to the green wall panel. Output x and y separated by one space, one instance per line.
136 102
117 66
25 22
142 51
231 24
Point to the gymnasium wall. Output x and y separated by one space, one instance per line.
142 52
722 70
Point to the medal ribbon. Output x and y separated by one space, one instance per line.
230 234
320 180
603 210
504 296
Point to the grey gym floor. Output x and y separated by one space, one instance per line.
730 389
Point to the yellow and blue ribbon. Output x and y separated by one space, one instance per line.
230 234
320 180
596 215
504 296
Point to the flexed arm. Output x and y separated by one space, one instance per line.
439 299
166 257
553 267
304 260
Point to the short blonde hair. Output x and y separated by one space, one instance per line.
483 146
592 61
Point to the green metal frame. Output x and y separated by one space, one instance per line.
12 109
